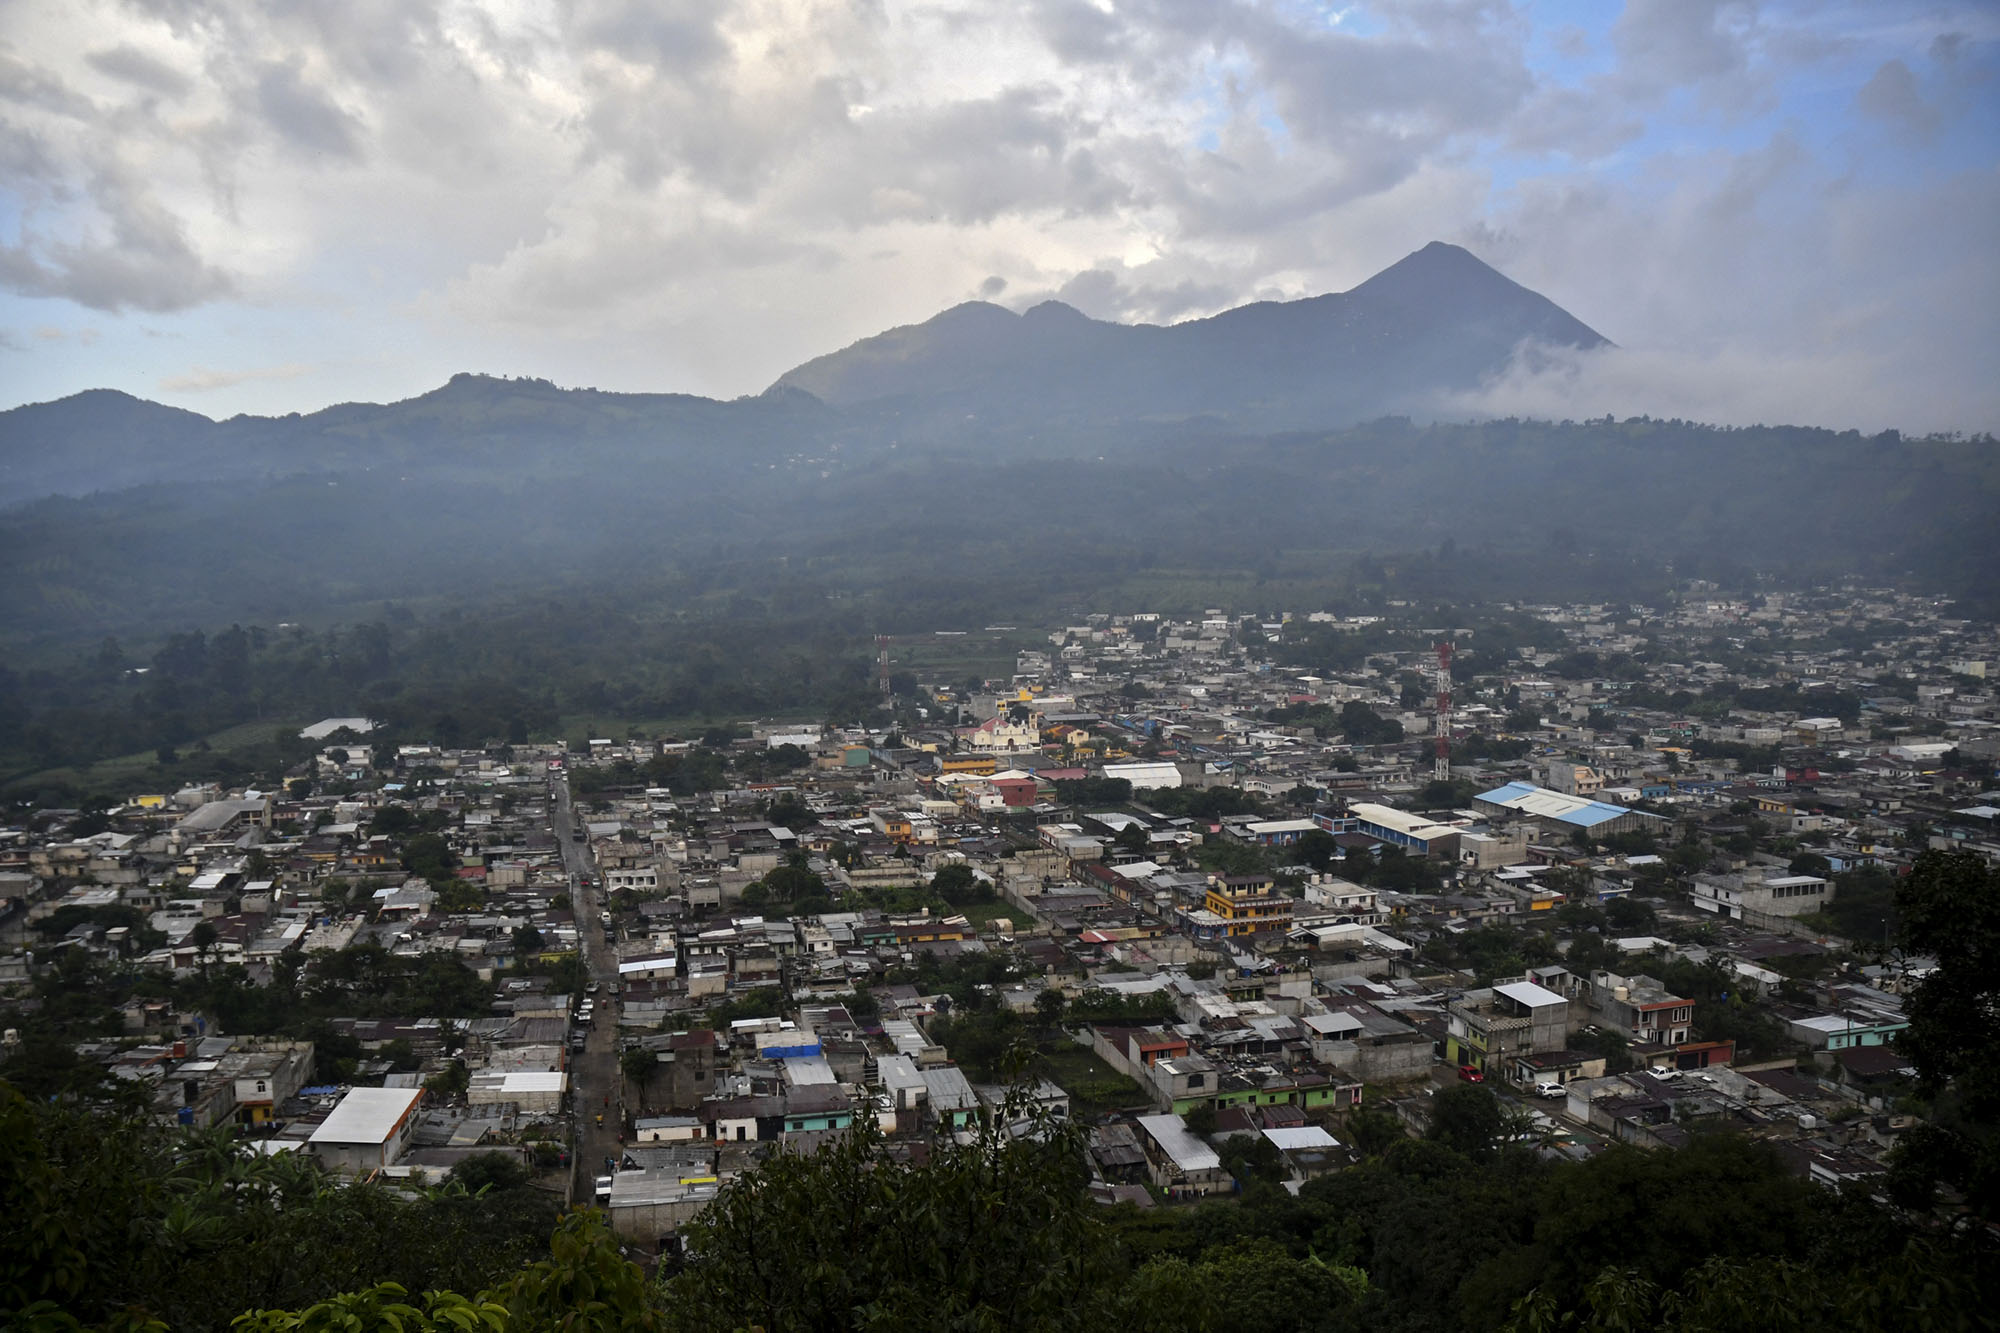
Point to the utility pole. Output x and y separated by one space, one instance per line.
1441 766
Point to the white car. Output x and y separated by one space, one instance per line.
1551 1091
603 1189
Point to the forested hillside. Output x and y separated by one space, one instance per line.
1551 507
491 605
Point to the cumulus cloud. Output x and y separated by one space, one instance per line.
303 116
131 65
694 196
136 256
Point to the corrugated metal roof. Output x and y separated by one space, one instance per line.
1542 803
366 1115
1528 993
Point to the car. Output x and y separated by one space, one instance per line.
1470 1074
593 988
603 1191
1552 1091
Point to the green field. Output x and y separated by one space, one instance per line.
982 915
131 774
1094 1087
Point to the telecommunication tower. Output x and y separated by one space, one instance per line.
1441 766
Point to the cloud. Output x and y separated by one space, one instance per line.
303 115
1892 95
137 257
1791 343
131 65
693 196
203 380
1737 385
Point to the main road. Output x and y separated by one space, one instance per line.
596 1088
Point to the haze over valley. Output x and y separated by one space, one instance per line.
1103 664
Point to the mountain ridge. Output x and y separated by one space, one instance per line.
1436 322
1439 320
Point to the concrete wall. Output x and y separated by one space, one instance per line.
1388 1063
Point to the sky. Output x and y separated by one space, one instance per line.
1780 212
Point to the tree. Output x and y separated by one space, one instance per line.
1362 725
1250 1282
996 1232
639 1065
1049 1006
1374 1131
490 1170
458 895
393 820
1252 1157
1949 907
203 937
585 1285
1316 848
429 855
1629 915
792 883
959 886
451 1081
1468 1119
527 939
223 1231
1611 1045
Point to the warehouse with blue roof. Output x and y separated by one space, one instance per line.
1561 813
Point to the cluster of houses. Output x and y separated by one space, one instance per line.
1155 810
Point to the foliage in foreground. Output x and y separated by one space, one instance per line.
110 1218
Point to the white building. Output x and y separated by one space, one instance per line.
1733 896
368 1130
1143 776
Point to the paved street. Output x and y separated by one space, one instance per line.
594 1080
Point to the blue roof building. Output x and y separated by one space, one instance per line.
1562 813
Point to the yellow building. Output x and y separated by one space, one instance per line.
1248 903
891 824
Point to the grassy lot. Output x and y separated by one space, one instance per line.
130 774
1094 1087
982 914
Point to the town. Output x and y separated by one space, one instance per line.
1239 894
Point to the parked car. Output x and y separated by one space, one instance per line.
1552 1091
603 1191
1470 1074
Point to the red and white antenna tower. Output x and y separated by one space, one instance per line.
1441 766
